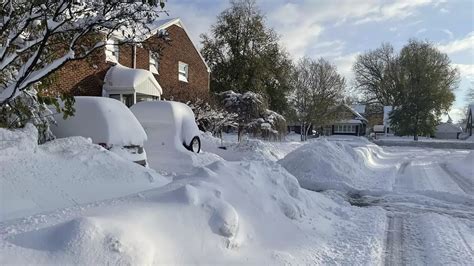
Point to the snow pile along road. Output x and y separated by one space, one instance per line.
250 211
247 148
345 165
62 173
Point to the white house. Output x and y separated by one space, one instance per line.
448 130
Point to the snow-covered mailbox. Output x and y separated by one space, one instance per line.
108 123
169 125
130 85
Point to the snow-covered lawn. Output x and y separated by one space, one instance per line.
72 202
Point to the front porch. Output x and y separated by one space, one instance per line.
130 85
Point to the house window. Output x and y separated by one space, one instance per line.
112 51
183 71
345 128
154 62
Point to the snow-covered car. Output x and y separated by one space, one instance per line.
169 124
109 123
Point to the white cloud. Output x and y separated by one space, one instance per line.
395 10
344 65
420 31
466 71
460 45
197 19
444 10
449 33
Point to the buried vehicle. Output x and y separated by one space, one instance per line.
109 123
169 124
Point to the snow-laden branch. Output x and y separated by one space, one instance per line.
37 39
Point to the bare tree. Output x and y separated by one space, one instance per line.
377 75
317 87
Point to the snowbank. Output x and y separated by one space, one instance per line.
247 148
342 163
62 173
223 213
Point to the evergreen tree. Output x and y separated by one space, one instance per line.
244 55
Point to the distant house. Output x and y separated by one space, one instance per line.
139 72
349 122
448 130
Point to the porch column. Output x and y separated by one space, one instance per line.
134 97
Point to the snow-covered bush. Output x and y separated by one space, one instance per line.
211 119
27 109
253 116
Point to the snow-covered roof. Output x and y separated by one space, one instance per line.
102 119
121 79
360 108
349 121
357 114
448 128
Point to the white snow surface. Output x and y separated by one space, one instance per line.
104 120
62 173
343 163
237 206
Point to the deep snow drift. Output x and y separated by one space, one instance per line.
62 173
346 164
235 206
249 211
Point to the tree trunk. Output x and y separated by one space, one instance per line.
415 133
302 131
306 131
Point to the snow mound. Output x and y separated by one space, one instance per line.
62 173
95 241
21 140
248 149
344 164
224 219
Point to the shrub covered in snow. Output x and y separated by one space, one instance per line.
27 109
253 116
210 119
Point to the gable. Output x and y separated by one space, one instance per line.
159 25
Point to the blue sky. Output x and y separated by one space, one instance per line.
339 30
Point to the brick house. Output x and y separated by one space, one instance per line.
149 71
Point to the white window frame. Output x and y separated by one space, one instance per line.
183 71
112 51
154 62
345 128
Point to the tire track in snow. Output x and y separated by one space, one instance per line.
466 185
394 240
461 236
